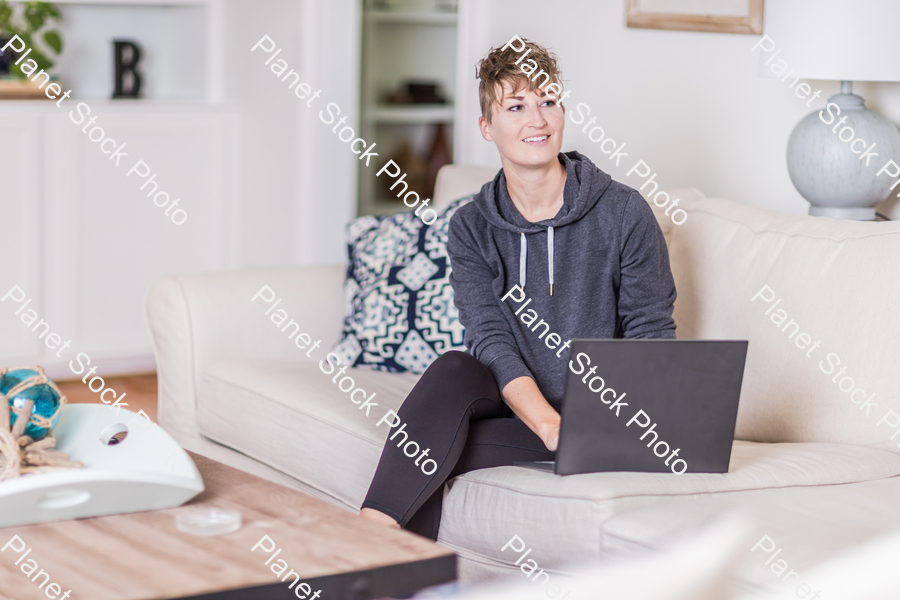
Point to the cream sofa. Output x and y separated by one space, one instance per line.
808 465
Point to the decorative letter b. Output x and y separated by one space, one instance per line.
127 69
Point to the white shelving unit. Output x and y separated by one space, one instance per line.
189 70
413 17
136 2
440 113
415 42
86 242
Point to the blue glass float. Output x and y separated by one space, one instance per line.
46 400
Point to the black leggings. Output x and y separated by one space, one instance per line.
456 410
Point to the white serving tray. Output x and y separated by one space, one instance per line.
147 470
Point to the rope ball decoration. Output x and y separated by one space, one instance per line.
30 404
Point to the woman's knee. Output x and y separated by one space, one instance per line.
461 371
456 363
454 377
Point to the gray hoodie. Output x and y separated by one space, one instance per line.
603 256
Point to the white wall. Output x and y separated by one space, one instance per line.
689 104
297 182
326 168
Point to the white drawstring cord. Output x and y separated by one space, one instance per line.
523 253
550 255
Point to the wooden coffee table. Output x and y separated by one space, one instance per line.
143 556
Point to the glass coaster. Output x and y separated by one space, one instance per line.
208 521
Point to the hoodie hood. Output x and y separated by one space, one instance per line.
585 184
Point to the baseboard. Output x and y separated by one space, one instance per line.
107 366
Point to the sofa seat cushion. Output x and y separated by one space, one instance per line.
810 524
563 519
291 416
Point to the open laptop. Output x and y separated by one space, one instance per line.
687 390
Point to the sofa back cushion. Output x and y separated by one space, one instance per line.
818 301
460 181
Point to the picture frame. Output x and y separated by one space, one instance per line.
745 16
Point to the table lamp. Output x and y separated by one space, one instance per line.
844 41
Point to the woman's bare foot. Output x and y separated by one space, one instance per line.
378 517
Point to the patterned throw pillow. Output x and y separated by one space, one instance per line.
399 303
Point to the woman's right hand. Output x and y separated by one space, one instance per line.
525 399
550 435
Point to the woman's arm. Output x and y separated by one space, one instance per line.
525 399
488 336
647 288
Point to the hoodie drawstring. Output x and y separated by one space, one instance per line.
550 255
523 255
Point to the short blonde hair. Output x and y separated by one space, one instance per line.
499 67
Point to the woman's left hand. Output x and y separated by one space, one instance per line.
550 434
525 399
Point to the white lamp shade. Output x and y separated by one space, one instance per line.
845 40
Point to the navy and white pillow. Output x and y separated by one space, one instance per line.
399 303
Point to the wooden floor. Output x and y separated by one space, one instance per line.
140 392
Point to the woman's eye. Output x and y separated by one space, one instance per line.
514 107
550 102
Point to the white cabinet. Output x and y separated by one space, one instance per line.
80 237
20 242
85 242
264 182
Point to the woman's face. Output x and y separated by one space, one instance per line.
526 126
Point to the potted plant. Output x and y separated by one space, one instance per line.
34 22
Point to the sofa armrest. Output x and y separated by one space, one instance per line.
196 320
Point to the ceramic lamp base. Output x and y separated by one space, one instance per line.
834 155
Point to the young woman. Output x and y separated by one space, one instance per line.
596 266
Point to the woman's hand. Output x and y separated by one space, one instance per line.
526 400
549 432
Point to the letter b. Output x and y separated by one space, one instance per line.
127 69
